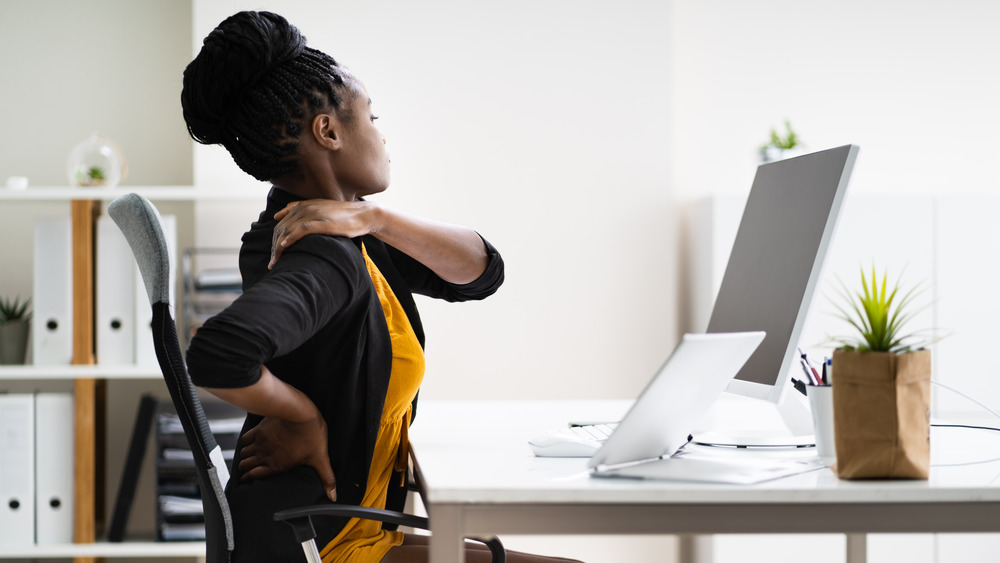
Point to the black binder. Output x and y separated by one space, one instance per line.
133 464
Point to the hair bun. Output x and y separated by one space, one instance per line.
238 54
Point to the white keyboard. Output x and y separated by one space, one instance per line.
599 432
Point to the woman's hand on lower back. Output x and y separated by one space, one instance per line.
275 446
292 433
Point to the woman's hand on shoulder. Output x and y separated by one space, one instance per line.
321 216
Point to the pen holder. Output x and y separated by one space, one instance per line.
821 405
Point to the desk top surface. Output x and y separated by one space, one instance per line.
476 452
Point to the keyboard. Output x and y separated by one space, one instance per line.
599 432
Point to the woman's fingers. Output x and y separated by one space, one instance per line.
250 436
257 472
285 211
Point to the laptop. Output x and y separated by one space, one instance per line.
649 442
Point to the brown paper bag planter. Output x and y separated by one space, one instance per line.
881 411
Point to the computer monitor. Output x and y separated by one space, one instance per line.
775 263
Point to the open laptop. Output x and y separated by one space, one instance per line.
647 443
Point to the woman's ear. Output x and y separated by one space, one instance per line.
327 131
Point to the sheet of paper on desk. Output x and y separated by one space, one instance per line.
713 470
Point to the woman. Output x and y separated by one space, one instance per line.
324 347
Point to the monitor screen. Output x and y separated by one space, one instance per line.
776 259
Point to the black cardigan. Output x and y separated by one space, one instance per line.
316 322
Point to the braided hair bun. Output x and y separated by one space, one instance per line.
250 88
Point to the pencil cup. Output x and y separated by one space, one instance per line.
821 404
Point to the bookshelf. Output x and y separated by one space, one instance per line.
89 377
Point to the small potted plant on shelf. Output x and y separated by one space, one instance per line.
780 147
92 176
15 321
881 384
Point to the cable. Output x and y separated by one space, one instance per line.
965 426
970 426
971 400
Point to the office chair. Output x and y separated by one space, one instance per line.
139 221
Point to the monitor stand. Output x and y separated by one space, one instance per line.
741 422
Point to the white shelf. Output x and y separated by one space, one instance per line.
105 549
36 372
160 193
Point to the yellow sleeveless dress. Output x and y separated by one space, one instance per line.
364 541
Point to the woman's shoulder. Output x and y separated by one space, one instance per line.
327 247
324 255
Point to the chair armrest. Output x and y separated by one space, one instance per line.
300 521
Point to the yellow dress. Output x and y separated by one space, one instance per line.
364 541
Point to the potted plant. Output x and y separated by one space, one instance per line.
92 176
14 327
881 384
780 147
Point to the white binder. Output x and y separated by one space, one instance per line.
52 329
115 296
53 468
17 473
145 354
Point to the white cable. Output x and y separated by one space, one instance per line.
970 399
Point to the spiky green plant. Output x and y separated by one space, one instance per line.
878 312
11 311
789 141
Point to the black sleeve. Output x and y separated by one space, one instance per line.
308 286
424 281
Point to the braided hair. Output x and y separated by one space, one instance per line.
254 87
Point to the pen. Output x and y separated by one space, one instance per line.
810 376
810 370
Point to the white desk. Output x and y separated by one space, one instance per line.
481 479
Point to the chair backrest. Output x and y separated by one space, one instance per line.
139 220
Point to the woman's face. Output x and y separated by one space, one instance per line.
365 164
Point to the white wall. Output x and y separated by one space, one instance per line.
543 125
915 83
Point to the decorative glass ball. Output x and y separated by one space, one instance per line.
96 162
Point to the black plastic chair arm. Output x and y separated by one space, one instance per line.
300 520
296 517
